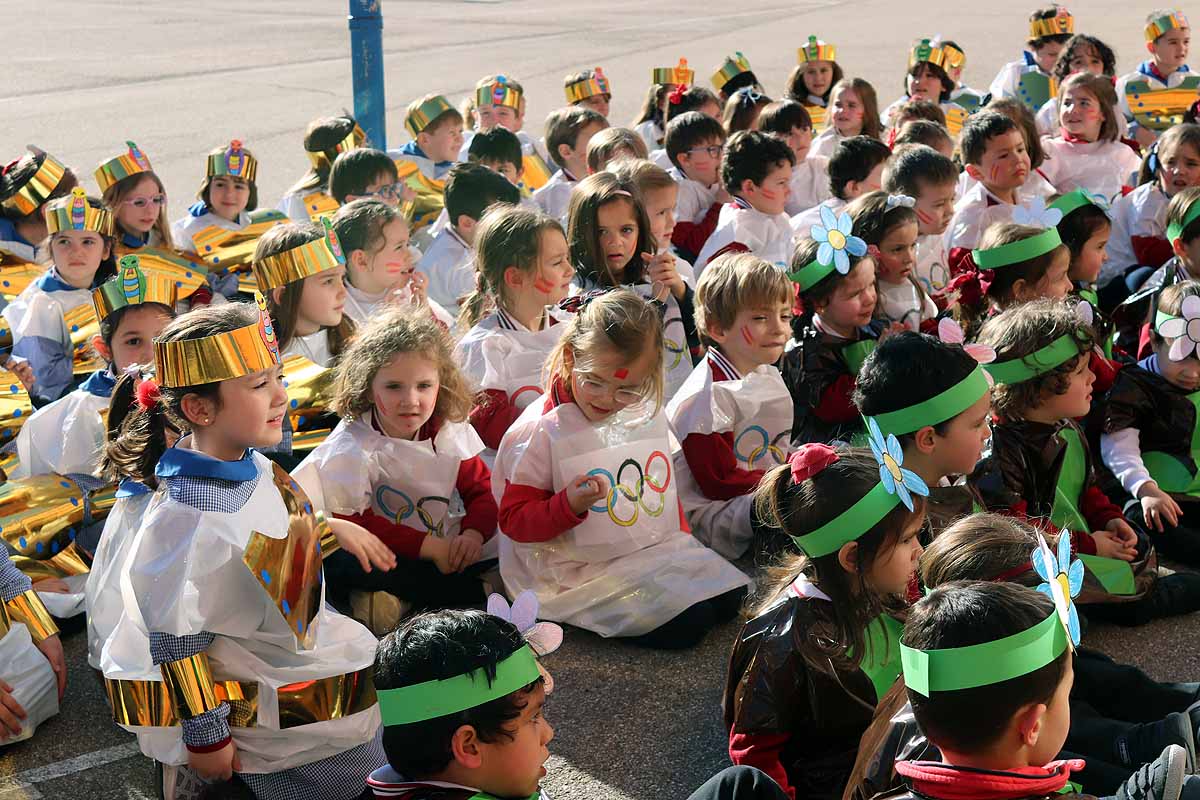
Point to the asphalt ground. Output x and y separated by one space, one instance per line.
80 78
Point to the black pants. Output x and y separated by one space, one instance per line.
1124 692
416 582
739 783
1180 542
1170 596
690 626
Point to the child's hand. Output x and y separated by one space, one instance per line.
53 586
1123 531
583 491
363 545
418 284
1157 506
407 193
11 713
218 765
437 550
52 649
1109 545
465 549
660 268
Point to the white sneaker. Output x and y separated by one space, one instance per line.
381 612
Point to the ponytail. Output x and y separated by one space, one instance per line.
136 436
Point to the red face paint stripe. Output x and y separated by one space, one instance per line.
621 374
542 285
926 218
746 337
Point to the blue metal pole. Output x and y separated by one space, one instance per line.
366 59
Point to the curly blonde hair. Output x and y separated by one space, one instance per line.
388 335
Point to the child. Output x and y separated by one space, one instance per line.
223 227
499 150
1155 96
660 196
853 111
1138 243
137 199
650 124
922 131
568 132
52 319
857 167
835 277
683 99
67 436
820 649
734 75
888 224
524 271
734 397
742 109
26 186
613 144
694 145
31 658
993 148
563 538
1084 229
812 81
1030 80
1082 53
1148 427
612 244
1087 153
788 121
500 102
930 178
590 89
470 190
929 63
437 131
970 99
756 170
365 172
225 571
399 460
325 139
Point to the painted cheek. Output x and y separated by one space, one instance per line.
621 374
925 218
542 285
747 337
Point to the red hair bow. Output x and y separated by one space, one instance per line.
676 96
970 286
147 394
809 459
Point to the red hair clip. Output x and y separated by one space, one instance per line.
676 96
809 459
147 394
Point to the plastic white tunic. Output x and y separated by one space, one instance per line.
64 437
509 359
31 677
36 312
768 236
810 185
1098 167
1141 213
186 576
612 578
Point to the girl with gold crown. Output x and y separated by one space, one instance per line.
52 320
930 62
813 79
224 575
26 186
137 199
325 139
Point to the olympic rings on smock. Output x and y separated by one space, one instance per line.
636 496
767 447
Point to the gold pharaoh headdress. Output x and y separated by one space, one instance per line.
678 75
233 161
498 93
38 188
75 213
132 287
936 52
222 357
132 162
733 66
1058 25
597 84
300 262
816 50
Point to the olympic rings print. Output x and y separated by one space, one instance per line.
515 397
635 493
767 447
407 508
671 345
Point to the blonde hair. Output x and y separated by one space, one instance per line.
507 236
114 195
606 144
392 333
642 173
617 321
733 282
1101 88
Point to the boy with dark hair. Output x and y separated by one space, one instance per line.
694 142
790 122
993 149
568 131
470 189
1031 80
931 179
500 103
365 172
1162 87
855 168
757 170
499 150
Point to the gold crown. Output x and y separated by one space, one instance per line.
1167 22
132 162
300 262
322 160
194 362
597 84
131 287
734 65
1060 24
678 75
76 213
38 188
498 93
938 53
816 50
233 161
421 117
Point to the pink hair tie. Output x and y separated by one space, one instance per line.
809 459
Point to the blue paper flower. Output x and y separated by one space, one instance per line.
898 481
833 234
1063 580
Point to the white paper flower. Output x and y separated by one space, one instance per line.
1084 312
1184 330
543 637
1037 215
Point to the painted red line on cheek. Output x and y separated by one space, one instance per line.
621 374
542 285
926 218
767 193
746 337
995 171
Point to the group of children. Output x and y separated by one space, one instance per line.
798 357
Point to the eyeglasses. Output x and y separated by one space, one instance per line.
157 201
713 150
390 192
592 385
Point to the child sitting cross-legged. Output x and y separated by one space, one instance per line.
733 415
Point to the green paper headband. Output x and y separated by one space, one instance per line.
1160 317
1036 363
984 664
1175 229
813 273
850 524
939 408
1074 200
1016 252
437 698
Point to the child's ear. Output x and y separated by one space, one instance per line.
748 186
1020 289
465 224
423 139
464 746
107 249
1151 49
925 439
100 347
358 260
852 189
848 557
1029 723
715 332
199 411
565 151
276 294
514 278
1177 247
975 172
